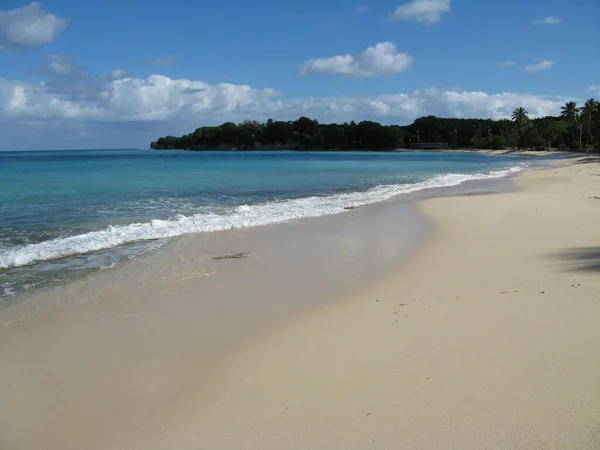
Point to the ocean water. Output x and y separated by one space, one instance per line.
64 214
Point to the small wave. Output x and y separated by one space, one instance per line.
6 291
242 216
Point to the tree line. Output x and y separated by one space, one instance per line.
576 128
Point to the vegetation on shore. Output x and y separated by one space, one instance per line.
576 128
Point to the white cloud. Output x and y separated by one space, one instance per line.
595 88
428 12
28 27
547 21
27 101
378 61
156 98
505 64
542 65
160 98
361 9
134 111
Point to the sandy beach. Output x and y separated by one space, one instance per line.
487 336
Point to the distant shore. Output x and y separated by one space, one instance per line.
425 132
472 325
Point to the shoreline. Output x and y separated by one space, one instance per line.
55 253
216 244
140 323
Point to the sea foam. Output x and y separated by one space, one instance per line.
242 216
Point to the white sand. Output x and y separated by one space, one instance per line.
489 338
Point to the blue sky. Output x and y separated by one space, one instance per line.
90 74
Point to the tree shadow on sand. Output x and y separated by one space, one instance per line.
591 158
582 259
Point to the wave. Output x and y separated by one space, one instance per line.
242 216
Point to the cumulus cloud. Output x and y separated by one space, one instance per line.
160 98
73 109
595 88
405 107
156 98
505 64
542 65
27 101
133 111
361 9
29 27
547 21
169 60
428 12
377 61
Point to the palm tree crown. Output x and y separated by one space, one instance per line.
570 112
589 109
590 112
520 117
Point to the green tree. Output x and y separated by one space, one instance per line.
308 134
253 128
278 133
570 113
589 113
520 117
521 121
552 130
333 136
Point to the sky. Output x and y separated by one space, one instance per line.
121 73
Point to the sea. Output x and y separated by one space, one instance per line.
66 214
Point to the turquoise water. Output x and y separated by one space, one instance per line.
66 213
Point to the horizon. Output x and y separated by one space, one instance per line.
67 83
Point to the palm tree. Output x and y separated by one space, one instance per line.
520 117
589 111
570 113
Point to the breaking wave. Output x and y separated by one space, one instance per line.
242 216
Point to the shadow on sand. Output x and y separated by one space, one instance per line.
582 259
591 158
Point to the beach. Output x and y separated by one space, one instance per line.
476 329
487 339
